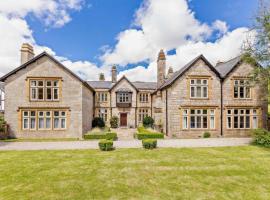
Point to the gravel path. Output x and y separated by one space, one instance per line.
176 143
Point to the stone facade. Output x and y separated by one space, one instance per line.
75 97
196 99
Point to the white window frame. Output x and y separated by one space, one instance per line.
102 97
144 97
143 112
199 83
244 85
198 114
185 119
247 114
53 86
103 113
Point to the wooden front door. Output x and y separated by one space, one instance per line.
123 119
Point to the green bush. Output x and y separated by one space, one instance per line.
206 135
261 137
97 136
149 143
106 145
2 124
148 121
98 122
144 133
114 121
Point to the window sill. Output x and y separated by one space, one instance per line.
197 98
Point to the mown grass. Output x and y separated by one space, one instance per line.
194 173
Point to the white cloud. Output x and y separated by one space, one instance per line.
52 13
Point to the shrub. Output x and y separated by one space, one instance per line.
144 133
97 136
106 145
261 137
149 143
206 135
114 121
98 122
148 121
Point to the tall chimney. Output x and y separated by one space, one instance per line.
101 77
114 74
170 73
161 68
27 53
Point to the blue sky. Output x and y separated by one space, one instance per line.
99 21
89 36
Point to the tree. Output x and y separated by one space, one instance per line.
257 47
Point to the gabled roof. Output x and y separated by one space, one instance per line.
123 78
180 72
52 58
226 67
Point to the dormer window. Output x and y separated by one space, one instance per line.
198 88
241 89
123 97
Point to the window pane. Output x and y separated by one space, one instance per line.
33 83
204 91
192 111
247 121
55 83
235 119
49 83
255 122
55 93
212 122
205 112
40 93
48 123
204 122
63 123
41 123
205 82
33 113
235 92
192 82
199 92
33 93
192 91
56 123
49 93
241 121
199 81
241 92
192 122
63 113
25 123
32 123
229 121
25 113
199 122
185 123
40 83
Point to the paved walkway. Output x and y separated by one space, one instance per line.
177 143
125 133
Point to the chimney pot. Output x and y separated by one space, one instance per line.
101 77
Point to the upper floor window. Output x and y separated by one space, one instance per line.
198 88
102 96
44 90
241 89
144 97
103 113
123 97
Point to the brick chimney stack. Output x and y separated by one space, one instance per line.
161 68
101 77
170 73
27 53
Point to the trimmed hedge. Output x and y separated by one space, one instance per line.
106 145
97 136
149 143
145 134
261 137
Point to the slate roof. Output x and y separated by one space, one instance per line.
108 85
180 72
226 67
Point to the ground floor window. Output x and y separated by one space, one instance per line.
242 118
198 119
142 114
103 113
44 119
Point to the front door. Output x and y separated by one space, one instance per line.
123 119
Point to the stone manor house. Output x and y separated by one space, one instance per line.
43 98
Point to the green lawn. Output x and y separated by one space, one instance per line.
193 173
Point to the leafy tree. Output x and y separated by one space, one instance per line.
148 122
257 47
98 122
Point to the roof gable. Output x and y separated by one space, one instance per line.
182 71
226 68
23 66
121 79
